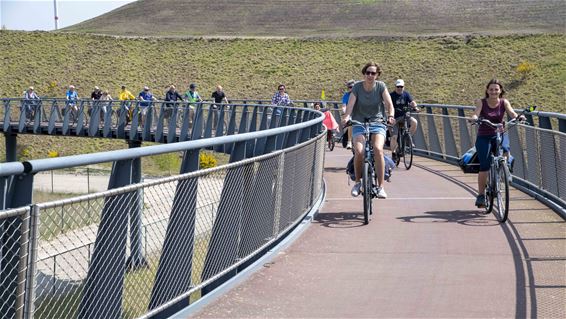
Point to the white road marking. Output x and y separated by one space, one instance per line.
401 198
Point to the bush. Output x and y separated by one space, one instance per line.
52 154
25 153
207 160
524 69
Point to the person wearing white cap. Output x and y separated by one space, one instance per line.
30 103
401 100
96 94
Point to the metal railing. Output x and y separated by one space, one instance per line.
139 248
154 121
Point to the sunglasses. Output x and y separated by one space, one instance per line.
350 87
370 73
280 89
400 87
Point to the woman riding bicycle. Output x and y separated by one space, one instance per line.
369 100
493 108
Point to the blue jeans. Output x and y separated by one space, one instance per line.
485 145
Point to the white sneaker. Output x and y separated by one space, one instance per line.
349 146
380 192
356 189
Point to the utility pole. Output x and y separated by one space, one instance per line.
55 13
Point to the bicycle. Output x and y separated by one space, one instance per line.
405 141
330 139
368 170
497 185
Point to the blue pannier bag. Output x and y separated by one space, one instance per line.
469 162
389 166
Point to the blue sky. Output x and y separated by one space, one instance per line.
32 15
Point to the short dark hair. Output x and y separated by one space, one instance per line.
370 64
495 81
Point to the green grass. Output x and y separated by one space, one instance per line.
446 70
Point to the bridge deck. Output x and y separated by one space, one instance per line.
426 253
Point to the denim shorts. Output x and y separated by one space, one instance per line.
485 146
374 128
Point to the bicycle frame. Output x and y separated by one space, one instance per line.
497 186
368 172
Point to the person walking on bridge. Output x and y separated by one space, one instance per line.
369 100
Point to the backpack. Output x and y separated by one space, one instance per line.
469 162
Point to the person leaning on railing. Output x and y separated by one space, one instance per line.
125 96
492 107
369 100
171 96
30 103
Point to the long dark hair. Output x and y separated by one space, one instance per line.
495 81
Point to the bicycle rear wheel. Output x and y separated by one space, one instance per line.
366 184
489 191
407 150
398 150
331 142
502 186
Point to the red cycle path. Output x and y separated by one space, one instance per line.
428 252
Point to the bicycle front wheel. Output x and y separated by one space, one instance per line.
366 184
490 191
407 150
502 193
331 142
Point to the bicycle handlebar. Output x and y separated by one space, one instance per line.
514 121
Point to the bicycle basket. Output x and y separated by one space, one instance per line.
469 162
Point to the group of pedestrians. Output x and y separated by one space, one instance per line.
369 99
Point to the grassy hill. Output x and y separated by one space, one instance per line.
328 18
449 68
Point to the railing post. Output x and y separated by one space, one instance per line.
34 223
449 141
13 247
107 270
224 242
177 254
136 259
549 155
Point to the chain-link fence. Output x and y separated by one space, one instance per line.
125 252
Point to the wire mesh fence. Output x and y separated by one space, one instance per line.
128 251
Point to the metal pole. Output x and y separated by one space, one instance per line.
55 16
